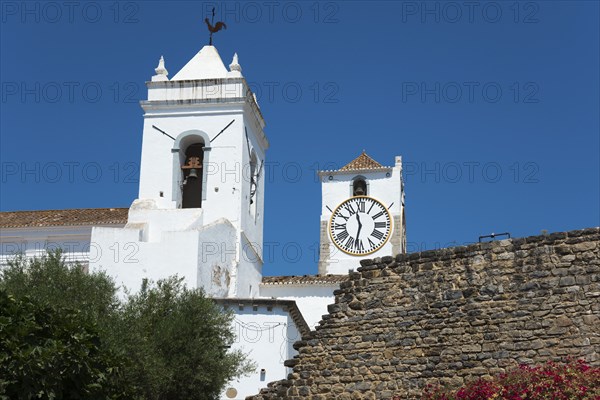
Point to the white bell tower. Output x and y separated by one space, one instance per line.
199 213
362 214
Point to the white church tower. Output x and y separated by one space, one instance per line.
362 214
199 213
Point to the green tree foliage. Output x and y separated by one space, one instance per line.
179 340
65 334
49 280
52 353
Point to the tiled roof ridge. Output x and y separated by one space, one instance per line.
363 161
65 209
64 217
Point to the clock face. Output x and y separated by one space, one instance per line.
360 225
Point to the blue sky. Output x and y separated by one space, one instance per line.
494 107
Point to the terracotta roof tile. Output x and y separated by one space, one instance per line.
361 162
77 216
304 279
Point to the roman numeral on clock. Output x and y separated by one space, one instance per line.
361 206
380 224
340 226
348 207
377 234
370 208
340 215
379 214
358 245
350 242
342 235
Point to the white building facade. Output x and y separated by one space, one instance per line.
362 214
200 211
200 208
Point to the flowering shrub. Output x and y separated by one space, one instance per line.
571 380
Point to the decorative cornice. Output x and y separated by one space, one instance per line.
193 82
303 280
353 171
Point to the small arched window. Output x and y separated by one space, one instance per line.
191 186
359 187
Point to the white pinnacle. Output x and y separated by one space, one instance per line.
235 66
161 70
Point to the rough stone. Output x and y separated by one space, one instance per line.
450 316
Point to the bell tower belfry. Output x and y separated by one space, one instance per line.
362 214
202 128
199 212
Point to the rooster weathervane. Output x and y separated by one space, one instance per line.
214 28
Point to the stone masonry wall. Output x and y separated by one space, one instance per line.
451 315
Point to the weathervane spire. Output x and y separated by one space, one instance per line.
214 28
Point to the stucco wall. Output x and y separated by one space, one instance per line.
266 336
386 186
312 300
34 242
451 315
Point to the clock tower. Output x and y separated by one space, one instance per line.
362 214
199 212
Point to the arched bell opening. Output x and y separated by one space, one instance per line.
192 174
359 186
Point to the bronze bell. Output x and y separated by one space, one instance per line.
193 165
359 188
193 174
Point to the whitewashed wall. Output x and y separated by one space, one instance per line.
312 300
267 337
74 240
386 189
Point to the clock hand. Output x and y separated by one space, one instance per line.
359 226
